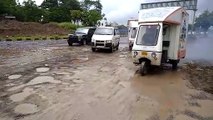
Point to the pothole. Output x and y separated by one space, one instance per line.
83 57
35 81
63 73
43 79
21 96
10 85
123 56
26 108
13 77
42 69
77 81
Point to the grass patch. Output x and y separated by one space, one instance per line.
28 38
19 38
8 39
52 38
44 38
65 37
68 26
36 38
57 37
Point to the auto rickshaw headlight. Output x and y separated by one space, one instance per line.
154 55
135 53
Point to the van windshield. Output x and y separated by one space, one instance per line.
148 35
104 31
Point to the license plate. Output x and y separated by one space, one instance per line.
143 53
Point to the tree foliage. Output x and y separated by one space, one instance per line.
87 12
204 21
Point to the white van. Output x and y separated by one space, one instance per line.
132 31
106 38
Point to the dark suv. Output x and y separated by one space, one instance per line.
81 36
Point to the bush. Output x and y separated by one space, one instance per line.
37 38
8 39
19 39
28 38
68 26
52 38
44 38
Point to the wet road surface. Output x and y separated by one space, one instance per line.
48 80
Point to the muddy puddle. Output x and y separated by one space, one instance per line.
12 77
164 91
42 69
36 81
81 58
26 108
21 96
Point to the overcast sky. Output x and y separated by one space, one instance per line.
122 10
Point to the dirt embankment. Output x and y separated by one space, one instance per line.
16 28
200 76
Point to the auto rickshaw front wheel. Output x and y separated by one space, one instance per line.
144 68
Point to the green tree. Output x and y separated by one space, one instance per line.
7 7
49 4
59 10
204 21
76 15
91 17
91 12
31 11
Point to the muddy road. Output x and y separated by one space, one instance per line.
48 80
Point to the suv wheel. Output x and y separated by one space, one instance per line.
82 42
69 43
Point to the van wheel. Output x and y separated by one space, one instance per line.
144 68
117 46
111 49
93 50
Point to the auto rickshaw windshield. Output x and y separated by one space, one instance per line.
148 35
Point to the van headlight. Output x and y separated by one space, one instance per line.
109 41
93 40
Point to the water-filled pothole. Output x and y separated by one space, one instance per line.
21 96
42 69
26 108
13 77
35 81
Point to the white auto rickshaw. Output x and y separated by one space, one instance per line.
132 31
161 37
